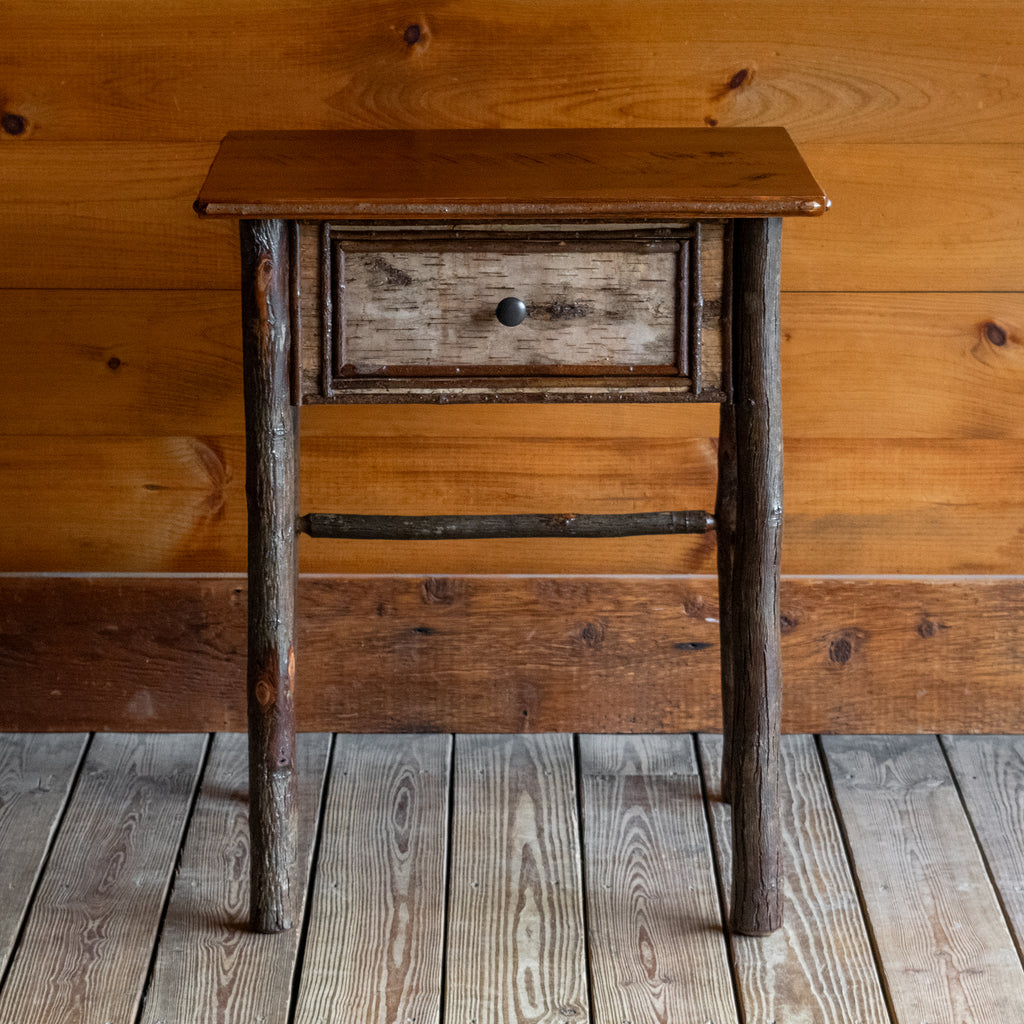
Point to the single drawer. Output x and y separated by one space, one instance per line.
585 308
413 314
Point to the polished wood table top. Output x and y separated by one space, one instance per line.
511 174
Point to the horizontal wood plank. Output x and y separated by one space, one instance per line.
118 215
942 943
37 773
903 365
177 504
209 965
159 362
818 968
111 215
495 654
87 945
909 218
122 68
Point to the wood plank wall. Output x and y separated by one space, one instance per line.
903 310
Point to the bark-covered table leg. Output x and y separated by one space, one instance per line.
270 484
754 619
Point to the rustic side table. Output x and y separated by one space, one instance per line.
591 265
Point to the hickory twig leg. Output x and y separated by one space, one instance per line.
755 640
270 485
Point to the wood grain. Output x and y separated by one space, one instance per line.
462 64
149 363
942 942
375 944
105 215
86 948
515 906
137 363
910 116
989 771
918 217
175 504
610 174
819 968
657 950
592 654
36 777
111 215
903 365
209 965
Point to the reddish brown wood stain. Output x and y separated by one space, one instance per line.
96 237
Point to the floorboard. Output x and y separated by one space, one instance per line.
990 773
528 879
943 945
36 775
376 930
209 966
657 949
516 947
818 968
88 942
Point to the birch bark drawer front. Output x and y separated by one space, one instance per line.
492 313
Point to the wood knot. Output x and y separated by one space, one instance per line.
13 124
843 645
840 650
993 333
993 340
787 623
929 627
439 590
265 693
737 80
412 35
592 634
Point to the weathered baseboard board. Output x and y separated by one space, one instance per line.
501 653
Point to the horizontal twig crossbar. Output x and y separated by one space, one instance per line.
485 527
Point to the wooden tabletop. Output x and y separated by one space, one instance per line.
510 174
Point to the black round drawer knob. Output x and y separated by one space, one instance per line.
511 311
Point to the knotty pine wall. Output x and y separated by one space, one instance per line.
121 414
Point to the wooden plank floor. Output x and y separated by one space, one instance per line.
510 880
